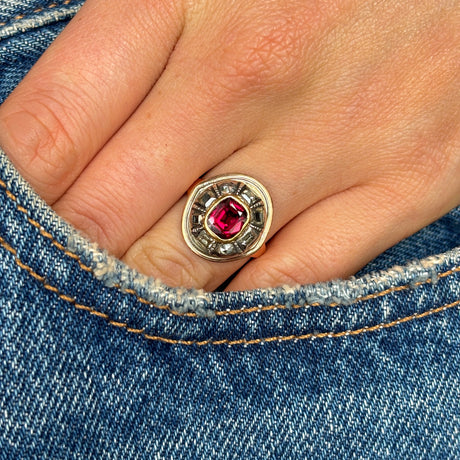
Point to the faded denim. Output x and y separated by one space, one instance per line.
98 361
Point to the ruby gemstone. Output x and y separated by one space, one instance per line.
227 219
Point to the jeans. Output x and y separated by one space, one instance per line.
99 361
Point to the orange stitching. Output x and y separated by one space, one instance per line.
37 10
135 331
284 307
42 231
312 335
84 267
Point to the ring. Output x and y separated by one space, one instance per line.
227 218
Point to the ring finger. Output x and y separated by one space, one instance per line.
163 253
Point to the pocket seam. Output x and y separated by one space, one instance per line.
229 342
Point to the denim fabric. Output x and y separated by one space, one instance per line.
98 361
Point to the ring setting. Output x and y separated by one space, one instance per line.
227 217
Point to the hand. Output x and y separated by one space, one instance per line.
347 111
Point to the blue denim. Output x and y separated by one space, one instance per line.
99 361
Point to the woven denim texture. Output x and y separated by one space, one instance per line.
97 361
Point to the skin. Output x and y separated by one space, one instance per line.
347 111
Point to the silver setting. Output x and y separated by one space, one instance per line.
205 196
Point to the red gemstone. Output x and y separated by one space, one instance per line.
227 219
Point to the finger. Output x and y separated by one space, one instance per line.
84 87
163 253
338 236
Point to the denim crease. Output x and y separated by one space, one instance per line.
100 361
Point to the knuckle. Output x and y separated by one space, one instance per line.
38 136
90 224
429 164
285 271
270 54
94 217
168 261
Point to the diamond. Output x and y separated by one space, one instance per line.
227 219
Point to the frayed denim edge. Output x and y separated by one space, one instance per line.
42 18
113 272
